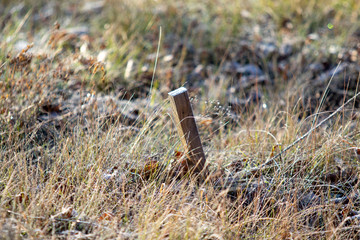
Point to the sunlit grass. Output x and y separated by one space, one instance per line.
84 152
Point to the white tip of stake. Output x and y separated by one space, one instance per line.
177 91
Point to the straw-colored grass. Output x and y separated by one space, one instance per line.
72 168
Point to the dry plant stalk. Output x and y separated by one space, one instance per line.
187 129
253 170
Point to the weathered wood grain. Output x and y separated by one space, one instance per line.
187 129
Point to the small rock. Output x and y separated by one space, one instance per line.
248 81
249 70
267 49
102 56
168 58
245 14
45 12
93 6
316 67
129 68
20 45
309 200
332 72
313 37
285 50
80 30
231 67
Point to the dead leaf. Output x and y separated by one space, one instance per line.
180 165
179 154
51 108
23 58
66 213
62 186
206 122
107 216
22 198
357 152
274 149
150 168
237 165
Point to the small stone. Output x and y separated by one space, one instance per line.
285 50
93 6
249 70
267 49
102 55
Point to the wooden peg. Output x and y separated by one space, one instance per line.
187 129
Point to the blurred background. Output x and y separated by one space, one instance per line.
235 52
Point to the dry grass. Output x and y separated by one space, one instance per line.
86 153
